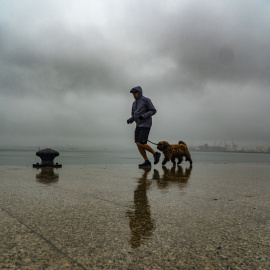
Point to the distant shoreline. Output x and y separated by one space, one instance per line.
242 152
191 149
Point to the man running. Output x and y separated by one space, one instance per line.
142 111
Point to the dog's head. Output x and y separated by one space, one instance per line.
163 145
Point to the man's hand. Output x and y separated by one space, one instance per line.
128 121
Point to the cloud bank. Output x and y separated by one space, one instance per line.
66 70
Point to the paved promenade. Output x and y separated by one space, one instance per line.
209 216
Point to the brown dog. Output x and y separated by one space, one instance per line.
173 151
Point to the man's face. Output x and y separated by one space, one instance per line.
135 95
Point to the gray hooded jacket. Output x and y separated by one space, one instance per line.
142 106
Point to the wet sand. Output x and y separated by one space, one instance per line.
210 216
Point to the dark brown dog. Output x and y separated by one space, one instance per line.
173 151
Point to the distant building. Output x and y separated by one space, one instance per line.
261 149
208 148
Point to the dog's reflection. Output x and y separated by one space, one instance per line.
177 175
140 221
47 176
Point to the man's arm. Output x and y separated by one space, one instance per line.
131 119
151 109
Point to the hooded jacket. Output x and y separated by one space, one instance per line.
142 106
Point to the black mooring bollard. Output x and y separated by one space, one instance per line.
47 156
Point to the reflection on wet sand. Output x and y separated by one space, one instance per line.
140 222
47 176
177 175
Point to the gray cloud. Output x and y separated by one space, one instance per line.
66 69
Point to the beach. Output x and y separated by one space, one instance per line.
111 216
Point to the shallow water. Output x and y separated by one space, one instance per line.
112 216
100 211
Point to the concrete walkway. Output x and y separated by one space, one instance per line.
210 216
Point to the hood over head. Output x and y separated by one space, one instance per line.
137 89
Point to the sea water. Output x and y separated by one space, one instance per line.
27 157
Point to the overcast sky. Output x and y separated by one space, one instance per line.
66 69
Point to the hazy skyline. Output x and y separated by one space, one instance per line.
67 68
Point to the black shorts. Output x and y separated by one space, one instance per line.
141 135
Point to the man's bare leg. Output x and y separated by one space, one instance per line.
142 151
148 148
143 148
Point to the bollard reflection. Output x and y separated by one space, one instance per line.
47 176
177 175
140 221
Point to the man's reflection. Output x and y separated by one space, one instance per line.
47 176
176 175
140 222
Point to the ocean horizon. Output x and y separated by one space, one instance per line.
75 156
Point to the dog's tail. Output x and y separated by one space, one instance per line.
186 151
181 142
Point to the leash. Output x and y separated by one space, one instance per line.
152 142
